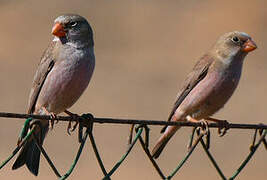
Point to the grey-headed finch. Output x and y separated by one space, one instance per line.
62 75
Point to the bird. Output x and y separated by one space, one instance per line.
64 72
209 85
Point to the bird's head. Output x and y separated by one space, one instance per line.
73 28
234 44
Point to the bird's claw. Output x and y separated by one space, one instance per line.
205 130
52 120
53 117
204 127
223 127
71 128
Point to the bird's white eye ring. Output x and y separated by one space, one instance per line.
73 24
235 39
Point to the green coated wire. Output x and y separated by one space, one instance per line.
92 140
40 147
17 149
212 160
253 150
90 117
76 158
25 128
155 165
24 135
99 160
185 158
138 134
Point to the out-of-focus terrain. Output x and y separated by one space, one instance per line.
144 50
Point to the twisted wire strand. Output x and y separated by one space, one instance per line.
132 121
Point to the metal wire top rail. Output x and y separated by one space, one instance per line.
86 122
133 121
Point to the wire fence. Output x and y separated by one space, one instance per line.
86 121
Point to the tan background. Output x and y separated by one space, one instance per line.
143 52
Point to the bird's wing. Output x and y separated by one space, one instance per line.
197 74
44 67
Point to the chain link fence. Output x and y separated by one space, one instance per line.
86 122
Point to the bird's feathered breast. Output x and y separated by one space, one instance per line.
198 73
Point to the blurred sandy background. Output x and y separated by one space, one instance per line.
143 51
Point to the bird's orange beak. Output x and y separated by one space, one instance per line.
58 30
249 45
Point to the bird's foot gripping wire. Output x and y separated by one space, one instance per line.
203 129
75 118
223 125
204 124
81 121
86 120
53 117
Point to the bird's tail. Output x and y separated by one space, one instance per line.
30 154
163 140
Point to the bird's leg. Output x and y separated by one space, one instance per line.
192 120
204 129
75 117
223 125
203 122
52 115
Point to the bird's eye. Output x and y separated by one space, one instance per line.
235 39
73 24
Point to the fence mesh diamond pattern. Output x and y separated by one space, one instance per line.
86 121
